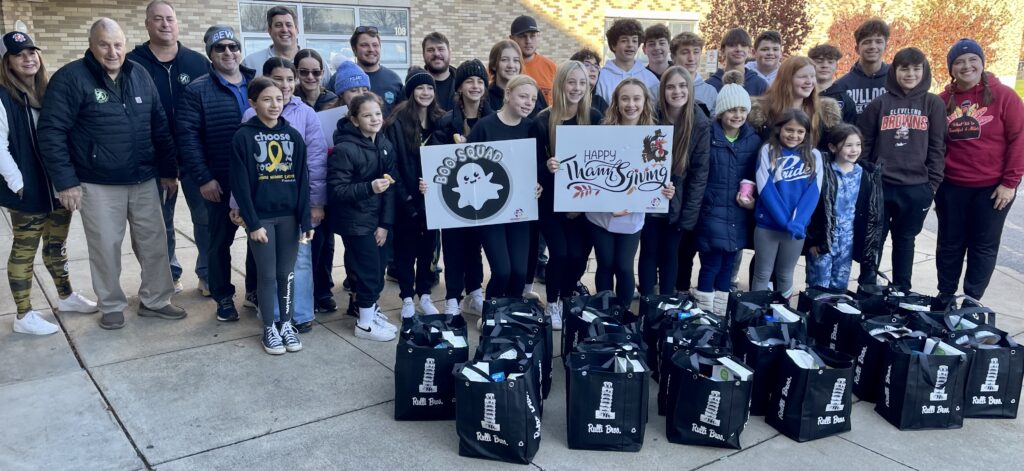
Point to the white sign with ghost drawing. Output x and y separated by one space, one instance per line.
480 184
612 168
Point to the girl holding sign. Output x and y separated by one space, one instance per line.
789 183
463 264
563 232
664 233
270 182
507 246
617 235
361 208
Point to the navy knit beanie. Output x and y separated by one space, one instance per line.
470 68
964 46
417 77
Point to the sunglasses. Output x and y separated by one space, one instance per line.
230 47
308 72
366 29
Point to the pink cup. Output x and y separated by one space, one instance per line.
746 189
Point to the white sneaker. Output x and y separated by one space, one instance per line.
554 312
34 324
451 307
374 332
473 304
76 303
408 308
427 305
204 289
382 321
178 287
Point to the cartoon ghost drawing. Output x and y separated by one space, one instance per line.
474 187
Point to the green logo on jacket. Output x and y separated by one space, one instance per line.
101 95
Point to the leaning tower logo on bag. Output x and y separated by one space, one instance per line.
604 409
101 95
990 378
428 386
710 415
836 402
941 376
490 410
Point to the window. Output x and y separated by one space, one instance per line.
676 22
327 28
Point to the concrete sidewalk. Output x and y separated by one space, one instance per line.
200 394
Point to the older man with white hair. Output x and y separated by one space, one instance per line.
105 142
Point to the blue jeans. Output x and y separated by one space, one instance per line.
303 287
200 228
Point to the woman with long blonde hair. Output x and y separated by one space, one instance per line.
564 232
27 192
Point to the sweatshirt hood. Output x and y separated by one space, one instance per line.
348 133
882 71
614 69
893 86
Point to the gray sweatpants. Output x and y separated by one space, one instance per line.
275 265
775 251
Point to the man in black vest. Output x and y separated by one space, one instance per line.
172 66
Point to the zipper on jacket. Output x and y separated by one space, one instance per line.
35 149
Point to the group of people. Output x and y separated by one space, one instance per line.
772 154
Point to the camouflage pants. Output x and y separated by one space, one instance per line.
29 228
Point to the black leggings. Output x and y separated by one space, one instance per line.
414 251
566 252
659 256
507 247
365 260
463 264
687 252
615 254
968 227
275 265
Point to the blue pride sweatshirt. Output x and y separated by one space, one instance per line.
787 193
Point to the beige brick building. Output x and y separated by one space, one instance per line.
60 26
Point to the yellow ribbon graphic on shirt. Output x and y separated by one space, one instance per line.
275 157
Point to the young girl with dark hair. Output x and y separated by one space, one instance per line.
662 253
310 67
270 183
463 263
503 63
361 208
410 126
847 225
788 186
565 233
617 234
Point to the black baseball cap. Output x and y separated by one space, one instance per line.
524 24
15 42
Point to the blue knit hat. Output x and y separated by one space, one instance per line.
964 46
349 76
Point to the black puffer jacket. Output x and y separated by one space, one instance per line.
88 133
684 208
206 121
409 169
171 79
868 233
37 192
352 206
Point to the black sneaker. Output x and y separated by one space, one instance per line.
226 311
304 327
272 342
347 284
326 304
250 300
581 289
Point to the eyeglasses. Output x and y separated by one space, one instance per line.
308 72
591 65
230 47
366 29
